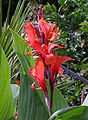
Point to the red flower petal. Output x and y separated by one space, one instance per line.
32 72
37 32
56 30
30 32
50 59
51 26
52 36
44 26
38 48
38 74
63 59
44 47
47 29
39 67
37 45
57 65
51 46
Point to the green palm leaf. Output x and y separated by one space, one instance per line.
17 24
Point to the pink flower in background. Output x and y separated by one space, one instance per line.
82 97
15 115
82 43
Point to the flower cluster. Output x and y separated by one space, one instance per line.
40 39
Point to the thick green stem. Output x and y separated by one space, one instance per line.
51 86
51 98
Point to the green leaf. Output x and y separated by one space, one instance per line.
61 2
8 14
20 45
17 24
26 61
7 106
30 106
15 92
72 113
58 101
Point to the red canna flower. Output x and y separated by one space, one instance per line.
44 50
48 30
52 69
56 66
45 34
39 40
38 74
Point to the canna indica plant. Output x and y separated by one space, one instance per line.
40 40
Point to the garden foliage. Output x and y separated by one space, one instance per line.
70 87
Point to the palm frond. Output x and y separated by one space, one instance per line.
0 17
17 24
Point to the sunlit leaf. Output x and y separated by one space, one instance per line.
73 113
7 107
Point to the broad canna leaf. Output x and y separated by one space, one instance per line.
20 45
58 101
71 113
30 106
7 107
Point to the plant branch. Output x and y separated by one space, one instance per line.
68 71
